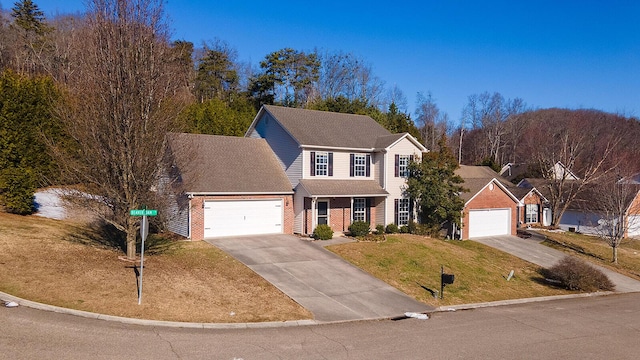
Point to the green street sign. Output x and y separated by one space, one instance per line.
143 212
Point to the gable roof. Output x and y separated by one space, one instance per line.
213 164
511 171
476 178
314 128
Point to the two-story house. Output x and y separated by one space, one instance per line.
342 167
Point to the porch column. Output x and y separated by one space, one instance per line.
313 213
351 211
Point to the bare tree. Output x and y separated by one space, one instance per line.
346 75
611 201
569 161
430 121
123 98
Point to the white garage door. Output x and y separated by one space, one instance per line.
634 226
242 217
489 222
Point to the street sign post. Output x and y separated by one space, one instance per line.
144 231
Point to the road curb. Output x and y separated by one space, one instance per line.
90 315
275 324
520 301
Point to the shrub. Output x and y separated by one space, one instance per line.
379 229
392 229
323 232
404 229
17 186
575 274
412 227
359 228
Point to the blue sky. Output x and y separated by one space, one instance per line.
573 54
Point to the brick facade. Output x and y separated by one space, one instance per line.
197 211
633 211
531 198
490 199
339 214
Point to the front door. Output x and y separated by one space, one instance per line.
323 212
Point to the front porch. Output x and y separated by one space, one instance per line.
339 212
337 203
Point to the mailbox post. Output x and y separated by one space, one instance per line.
445 279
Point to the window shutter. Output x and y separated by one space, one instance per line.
410 158
330 164
368 210
368 164
395 212
351 161
397 169
313 163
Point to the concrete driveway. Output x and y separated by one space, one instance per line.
534 252
329 287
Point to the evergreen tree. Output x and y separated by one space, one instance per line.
25 120
435 187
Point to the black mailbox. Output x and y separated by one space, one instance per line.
447 279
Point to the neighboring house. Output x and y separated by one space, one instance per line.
227 186
633 216
342 167
490 208
512 171
583 215
560 171
533 209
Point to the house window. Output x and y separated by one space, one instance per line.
322 164
359 209
403 212
531 213
402 165
359 165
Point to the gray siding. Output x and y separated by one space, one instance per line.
298 213
176 216
283 145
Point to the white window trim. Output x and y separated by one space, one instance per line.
321 169
403 169
527 213
403 212
360 165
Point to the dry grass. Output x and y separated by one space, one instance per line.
595 250
55 262
411 263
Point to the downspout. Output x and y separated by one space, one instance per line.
189 222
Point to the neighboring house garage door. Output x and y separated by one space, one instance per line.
242 217
489 222
634 226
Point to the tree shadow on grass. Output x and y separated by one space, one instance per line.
99 233
102 234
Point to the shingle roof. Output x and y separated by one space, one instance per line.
477 177
227 164
323 128
343 187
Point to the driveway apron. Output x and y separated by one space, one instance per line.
534 252
329 287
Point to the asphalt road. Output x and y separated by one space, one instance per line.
582 328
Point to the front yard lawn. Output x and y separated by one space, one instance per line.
410 263
595 250
61 263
